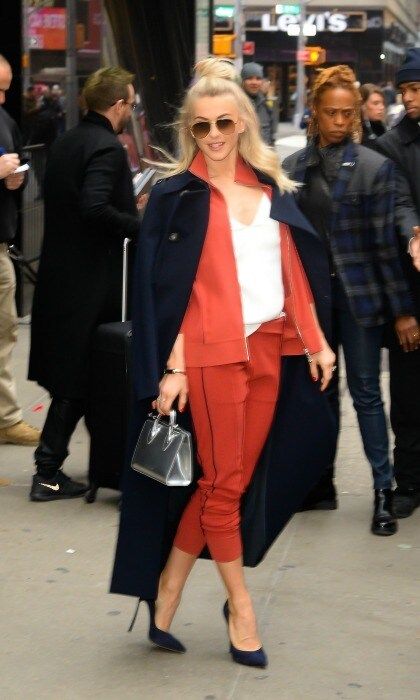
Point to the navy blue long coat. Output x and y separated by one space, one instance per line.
302 436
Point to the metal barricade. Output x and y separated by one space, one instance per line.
31 227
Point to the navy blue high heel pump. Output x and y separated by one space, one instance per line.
164 640
247 658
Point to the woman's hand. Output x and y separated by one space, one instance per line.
408 332
171 387
323 362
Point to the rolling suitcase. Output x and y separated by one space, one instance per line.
109 398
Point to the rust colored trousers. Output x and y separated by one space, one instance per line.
232 408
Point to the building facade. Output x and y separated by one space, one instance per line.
370 37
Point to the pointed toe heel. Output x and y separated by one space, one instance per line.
163 640
257 658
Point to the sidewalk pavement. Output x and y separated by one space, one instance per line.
338 608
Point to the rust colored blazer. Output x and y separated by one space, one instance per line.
213 324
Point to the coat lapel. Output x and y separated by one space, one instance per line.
284 207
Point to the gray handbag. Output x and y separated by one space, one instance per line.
163 451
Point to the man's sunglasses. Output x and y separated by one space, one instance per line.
202 129
132 105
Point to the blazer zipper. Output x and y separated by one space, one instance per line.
305 349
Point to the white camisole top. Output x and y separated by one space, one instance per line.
258 262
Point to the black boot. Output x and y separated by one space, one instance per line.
384 521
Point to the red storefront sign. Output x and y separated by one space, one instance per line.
47 28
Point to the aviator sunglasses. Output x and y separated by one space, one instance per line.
224 125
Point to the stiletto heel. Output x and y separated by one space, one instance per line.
256 658
163 640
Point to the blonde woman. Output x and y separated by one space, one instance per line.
220 296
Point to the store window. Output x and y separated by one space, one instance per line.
55 68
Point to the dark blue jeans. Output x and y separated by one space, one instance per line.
362 354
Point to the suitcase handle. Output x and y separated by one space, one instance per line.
126 243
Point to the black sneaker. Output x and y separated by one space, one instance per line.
405 502
60 486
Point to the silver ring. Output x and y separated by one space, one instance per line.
334 368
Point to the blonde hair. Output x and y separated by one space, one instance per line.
105 87
215 77
328 79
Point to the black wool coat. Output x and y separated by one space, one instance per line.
302 436
89 210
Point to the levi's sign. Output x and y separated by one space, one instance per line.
322 21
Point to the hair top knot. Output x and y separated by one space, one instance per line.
215 68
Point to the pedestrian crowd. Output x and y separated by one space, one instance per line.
251 280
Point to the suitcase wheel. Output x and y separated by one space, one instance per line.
90 496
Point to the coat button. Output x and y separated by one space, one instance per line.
184 192
173 236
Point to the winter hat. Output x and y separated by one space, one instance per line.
251 70
409 71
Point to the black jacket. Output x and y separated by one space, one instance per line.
89 210
402 145
11 141
372 130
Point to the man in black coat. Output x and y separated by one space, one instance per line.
89 210
12 428
402 145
